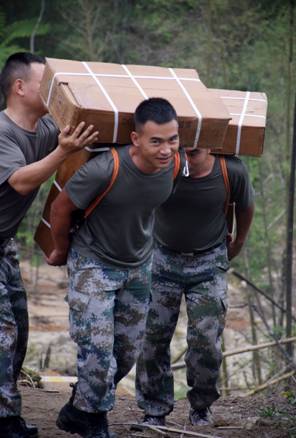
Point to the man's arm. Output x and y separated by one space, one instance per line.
60 220
27 178
243 223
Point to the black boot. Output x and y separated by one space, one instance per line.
200 417
31 428
15 427
86 424
72 420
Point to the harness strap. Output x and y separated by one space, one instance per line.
93 205
229 207
177 163
226 182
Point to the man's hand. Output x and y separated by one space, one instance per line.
57 258
71 142
233 248
243 223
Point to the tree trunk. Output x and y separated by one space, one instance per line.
289 245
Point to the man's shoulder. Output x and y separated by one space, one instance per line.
104 152
6 126
100 163
235 165
123 150
232 160
238 176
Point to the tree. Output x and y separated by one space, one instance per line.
15 37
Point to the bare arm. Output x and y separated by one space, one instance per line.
27 178
60 219
243 223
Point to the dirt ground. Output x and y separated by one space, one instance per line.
263 416
267 415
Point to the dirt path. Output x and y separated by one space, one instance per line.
234 417
271 415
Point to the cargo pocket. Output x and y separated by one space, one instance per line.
78 305
223 266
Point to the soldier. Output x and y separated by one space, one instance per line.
109 260
190 258
30 152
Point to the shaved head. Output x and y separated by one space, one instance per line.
17 66
155 109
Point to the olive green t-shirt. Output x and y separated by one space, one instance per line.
19 148
120 229
193 218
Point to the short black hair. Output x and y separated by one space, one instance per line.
17 66
155 109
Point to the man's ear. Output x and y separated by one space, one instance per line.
18 87
135 138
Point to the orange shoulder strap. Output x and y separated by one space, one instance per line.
177 163
93 205
226 182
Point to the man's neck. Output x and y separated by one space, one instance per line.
21 117
204 168
138 161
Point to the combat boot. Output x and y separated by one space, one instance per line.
86 424
200 417
16 427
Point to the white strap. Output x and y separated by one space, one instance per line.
166 78
135 82
115 130
248 115
199 116
243 98
45 222
88 149
57 185
241 119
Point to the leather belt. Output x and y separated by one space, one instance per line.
192 253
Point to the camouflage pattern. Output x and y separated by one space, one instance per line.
202 279
13 329
108 308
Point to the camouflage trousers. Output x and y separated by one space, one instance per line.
108 309
13 329
202 280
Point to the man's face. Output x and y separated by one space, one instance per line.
157 143
196 157
31 89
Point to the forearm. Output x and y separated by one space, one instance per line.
60 220
243 222
28 178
